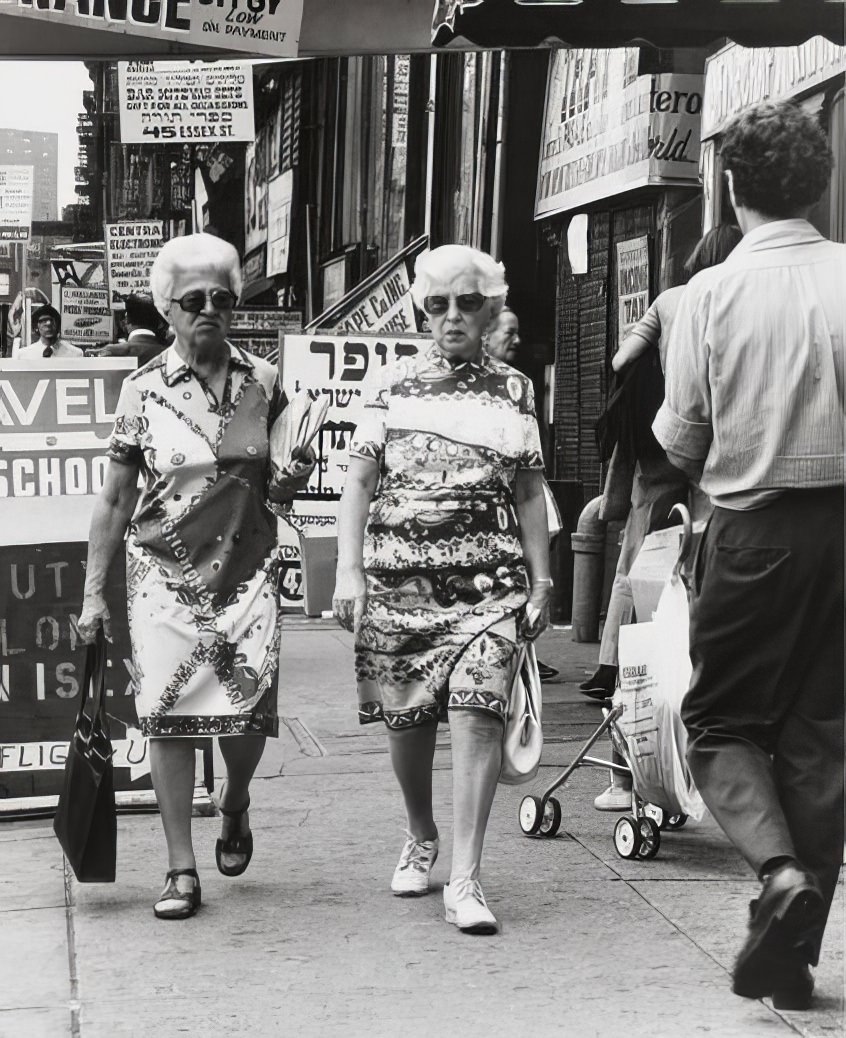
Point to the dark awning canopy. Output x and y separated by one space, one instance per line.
615 23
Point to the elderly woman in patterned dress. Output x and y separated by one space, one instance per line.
443 564
201 552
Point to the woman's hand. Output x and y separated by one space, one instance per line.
536 614
95 613
287 482
349 598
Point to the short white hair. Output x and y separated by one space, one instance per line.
437 267
194 255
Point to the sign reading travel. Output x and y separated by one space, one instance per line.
130 251
86 315
269 27
173 101
609 130
632 283
56 417
16 202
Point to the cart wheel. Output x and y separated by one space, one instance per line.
551 822
626 837
657 814
530 815
650 839
675 822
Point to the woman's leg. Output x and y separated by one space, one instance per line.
412 752
241 755
476 762
172 767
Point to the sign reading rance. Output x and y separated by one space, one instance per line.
180 101
269 27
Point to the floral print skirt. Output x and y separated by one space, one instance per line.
438 641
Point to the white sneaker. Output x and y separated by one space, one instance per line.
411 876
466 908
614 799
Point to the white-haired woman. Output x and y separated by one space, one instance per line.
454 571
201 552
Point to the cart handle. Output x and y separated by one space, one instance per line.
686 539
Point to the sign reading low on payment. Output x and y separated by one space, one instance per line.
56 418
173 101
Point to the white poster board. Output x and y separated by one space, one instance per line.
280 196
131 248
16 187
173 101
86 315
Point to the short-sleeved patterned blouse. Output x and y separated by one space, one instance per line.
442 552
202 548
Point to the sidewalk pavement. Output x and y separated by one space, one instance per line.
310 942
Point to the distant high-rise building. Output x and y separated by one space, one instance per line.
41 151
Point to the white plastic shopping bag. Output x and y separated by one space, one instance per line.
655 672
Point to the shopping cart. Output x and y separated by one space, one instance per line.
637 835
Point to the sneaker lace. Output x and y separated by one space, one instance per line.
417 854
467 887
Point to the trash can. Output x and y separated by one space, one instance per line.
569 496
319 560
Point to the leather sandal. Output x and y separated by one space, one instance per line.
234 844
183 904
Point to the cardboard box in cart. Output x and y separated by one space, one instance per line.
319 560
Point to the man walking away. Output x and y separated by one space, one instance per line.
145 329
754 411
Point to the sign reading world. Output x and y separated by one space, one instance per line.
609 130
269 27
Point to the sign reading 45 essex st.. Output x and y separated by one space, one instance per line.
248 26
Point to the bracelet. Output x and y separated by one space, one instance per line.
543 582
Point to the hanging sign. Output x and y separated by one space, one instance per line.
280 195
608 130
270 27
86 315
175 101
130 251
16 187
632 283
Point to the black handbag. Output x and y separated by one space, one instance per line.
85 822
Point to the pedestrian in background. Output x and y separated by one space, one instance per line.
47 340
145 332
453 573
754 412
202 562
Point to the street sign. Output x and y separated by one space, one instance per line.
16 188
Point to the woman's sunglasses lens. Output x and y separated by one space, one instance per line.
470 303
193 302
222 300
436 304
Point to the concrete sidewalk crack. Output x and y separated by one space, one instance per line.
73 1003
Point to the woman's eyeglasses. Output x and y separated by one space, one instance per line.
194 301
470 303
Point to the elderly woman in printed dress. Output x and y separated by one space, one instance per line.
443 564
201 552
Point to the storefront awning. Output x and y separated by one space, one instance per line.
614 23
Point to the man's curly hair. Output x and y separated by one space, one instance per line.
779 158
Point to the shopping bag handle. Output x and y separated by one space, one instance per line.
94 681
686 539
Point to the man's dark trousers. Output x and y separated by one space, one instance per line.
765 708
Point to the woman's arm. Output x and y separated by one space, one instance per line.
350 594
534 536
112 513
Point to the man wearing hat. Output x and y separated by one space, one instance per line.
145 328
46 324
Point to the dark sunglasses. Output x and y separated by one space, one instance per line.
471 303
193 302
